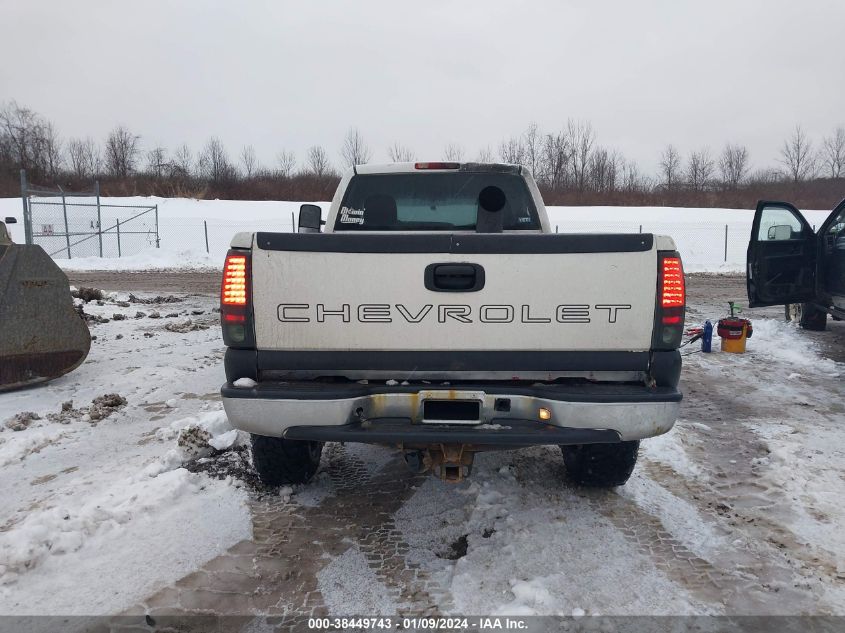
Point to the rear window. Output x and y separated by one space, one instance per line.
430 202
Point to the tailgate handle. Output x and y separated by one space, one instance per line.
454 277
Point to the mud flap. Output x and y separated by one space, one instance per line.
41 335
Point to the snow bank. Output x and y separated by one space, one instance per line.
67 527
23 443
148 259
62 529
196 437
783 342
185 225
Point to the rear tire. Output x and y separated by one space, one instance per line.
812 318
279 461
806 315
600 465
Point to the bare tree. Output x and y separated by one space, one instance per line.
599 169
79 157
50 149
30 140
632 180
485 155
214 162
19 129
157 162
797 157
766 176
287 162
398 153
355 150
532 142
733 165
700 168
670 166
249 161
121 152
512 151
582 137
318 162
833 153
556 158
604 168
453 152
183 160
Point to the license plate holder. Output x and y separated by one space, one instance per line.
451 407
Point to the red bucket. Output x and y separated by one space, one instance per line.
731 328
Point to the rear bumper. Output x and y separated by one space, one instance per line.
589 413
409 435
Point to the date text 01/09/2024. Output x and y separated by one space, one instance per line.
424 623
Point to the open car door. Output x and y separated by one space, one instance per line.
781 256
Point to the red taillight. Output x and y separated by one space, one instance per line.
235 300
437 165
234 288
672 292
671 302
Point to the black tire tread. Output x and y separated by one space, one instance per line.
812 318
279 461
600 465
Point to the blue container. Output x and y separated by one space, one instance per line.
707 337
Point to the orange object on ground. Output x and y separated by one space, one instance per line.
734 332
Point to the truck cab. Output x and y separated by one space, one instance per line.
792 265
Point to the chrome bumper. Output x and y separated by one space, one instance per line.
270 413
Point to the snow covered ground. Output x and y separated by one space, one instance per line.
106 502
150 506
699 233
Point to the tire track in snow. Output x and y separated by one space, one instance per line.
276 574
774 554
668 554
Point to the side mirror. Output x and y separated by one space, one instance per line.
310 218
11 220
779 232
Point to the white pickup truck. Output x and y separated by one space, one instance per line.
437 312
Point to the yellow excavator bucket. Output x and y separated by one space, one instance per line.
41 335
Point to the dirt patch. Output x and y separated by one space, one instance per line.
89 318
88 294
43 479
154 300
194 442
457 549
234 462
21 421
186 326
101 408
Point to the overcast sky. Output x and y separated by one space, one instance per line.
287 75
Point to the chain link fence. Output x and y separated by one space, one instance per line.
70 225
710 245
75 227
213 235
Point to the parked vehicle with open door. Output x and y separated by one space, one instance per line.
792 265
